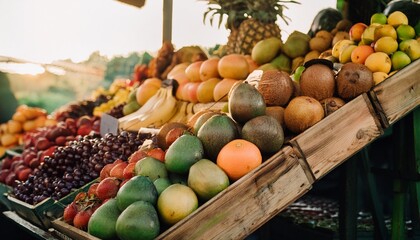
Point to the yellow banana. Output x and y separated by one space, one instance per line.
181 112
162 111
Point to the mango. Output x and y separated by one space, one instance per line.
266 50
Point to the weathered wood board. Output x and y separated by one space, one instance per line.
337 137
248 203
398 94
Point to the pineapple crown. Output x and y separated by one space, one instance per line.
239 10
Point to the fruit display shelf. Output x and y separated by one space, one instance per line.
240 209
45 211
289 174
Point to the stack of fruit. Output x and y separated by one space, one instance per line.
25 119
385 46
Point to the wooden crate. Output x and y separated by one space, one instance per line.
398 94
337 137
241 208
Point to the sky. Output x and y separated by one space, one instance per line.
47 30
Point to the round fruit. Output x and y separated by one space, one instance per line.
378 62
161 184
151 168
405 32
400 60
317 81
233 66
216 132
129 192
397 18
353 79
378 77
332 104
222 88
302 112
138 221
146 91
277 113
239 157
276 87
360 53
245 103
176 202
378 18
163 131
193 71
265 132
207 179
205 90
386 44
208 69
103 220
183 153
202 119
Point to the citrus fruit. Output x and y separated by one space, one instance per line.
378 18
360 53
386 44
239 157
379 62
176 202
405 32
379 77
397 18
399 60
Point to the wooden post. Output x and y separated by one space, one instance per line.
167 21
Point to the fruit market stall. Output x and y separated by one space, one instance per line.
201 146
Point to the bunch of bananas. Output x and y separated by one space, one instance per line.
158 110
184 112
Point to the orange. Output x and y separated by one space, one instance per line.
360 53
239 157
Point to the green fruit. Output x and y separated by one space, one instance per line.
138 221
130 107
282 62
399 60
265 132
207 179
298 72
132 95
267 66
136 189
265 50
378 18
151 168
161 184
405 32
297 44
216 133
245 103
103 220
202 119
183 153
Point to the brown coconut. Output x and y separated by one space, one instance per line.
317 81
332 104
276 87
353 79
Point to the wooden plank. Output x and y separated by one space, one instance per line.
340 135
216 106
71 231
398 94
248 203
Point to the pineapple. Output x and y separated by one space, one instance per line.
249 21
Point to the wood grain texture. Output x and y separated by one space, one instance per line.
248 203
398 94
71 231
333 140
209 106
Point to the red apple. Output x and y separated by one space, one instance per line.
107 188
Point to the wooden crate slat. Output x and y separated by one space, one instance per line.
399 94
337 137
248 203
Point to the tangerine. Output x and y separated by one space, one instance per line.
238 157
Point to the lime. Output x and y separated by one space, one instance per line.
399 60
405 32
378 18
